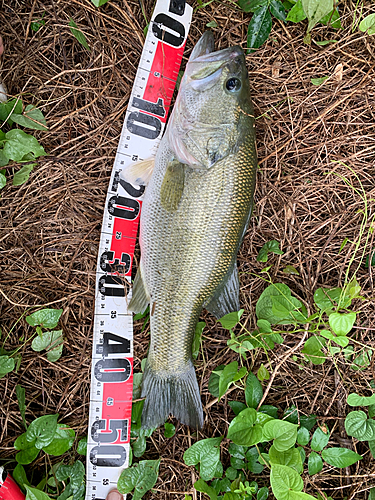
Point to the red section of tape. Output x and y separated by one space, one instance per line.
10 490
163 75
117 402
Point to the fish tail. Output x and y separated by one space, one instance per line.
176 394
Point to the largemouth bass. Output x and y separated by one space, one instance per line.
195 212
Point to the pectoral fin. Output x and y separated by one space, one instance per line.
140 298
173 186
139 173
227 296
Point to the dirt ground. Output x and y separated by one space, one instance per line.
316 148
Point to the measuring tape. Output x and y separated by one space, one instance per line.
112 355
9 489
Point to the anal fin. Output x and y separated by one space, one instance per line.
140 298
172 186
226 298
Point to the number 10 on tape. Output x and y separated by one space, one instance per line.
112 359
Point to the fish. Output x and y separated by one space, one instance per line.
196 209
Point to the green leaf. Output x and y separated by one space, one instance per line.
368 24
253 464
20 393
325 42
226 377
77 33
253 391
237 406
291 414
6 365
303 436
51 341
290 270
259 27
320 438
62 441
203 487
36 25
285 480
31 118
3 179
263 373
359 426
340 457
296 13
278 10
326 299
307 421
333 18
243 429
139 446
82 446
291 458
273 245
76 473
42 430
169 430
207 453
46 318
237 451
361 361
356 400
313 350
277 306
315 463
283 433
262 493
197 339
341 341
315 10
23 174
212 24
251 5
269 410
99 3
28 451
9 107
213 383
230 320
264 326
19 475
35 494
342 323
18 144
318 81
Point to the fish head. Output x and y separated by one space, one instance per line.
213 93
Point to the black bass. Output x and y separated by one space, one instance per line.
195 212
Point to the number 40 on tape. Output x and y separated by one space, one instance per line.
112 355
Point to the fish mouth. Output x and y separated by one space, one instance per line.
205 64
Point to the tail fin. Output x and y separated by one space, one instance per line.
168 393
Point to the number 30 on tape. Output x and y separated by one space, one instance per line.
112 355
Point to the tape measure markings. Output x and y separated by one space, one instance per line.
112 358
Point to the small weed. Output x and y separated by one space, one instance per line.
49 340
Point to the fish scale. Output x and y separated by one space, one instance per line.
189 248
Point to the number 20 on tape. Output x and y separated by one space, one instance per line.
112 355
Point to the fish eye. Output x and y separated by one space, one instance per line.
233 84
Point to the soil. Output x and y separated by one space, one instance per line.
315 191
